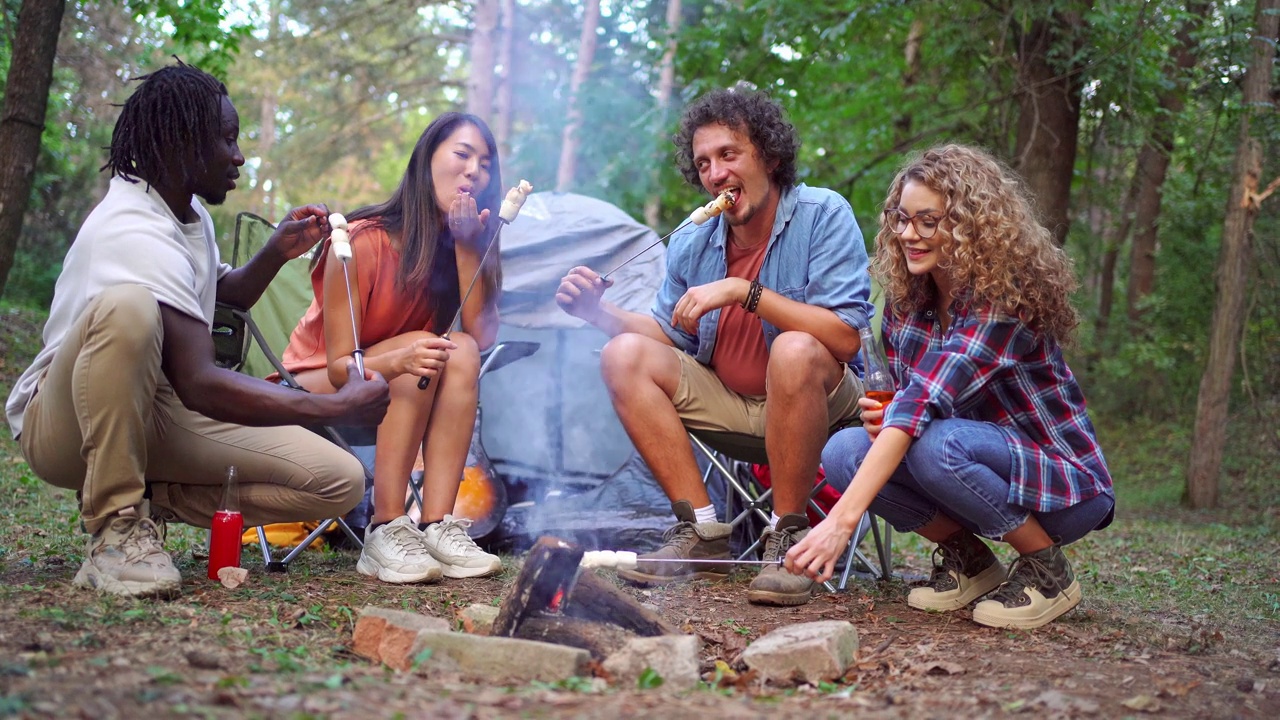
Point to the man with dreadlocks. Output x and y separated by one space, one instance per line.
124 403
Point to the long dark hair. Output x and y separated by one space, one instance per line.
175 114
427 257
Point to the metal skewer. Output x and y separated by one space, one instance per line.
699 561
506 214
700 215
425 382
651 246
342 248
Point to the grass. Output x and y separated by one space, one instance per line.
1161 579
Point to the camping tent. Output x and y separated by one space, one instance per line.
548 424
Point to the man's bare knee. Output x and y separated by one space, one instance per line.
630 357
797 359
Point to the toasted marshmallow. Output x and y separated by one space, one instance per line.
723 202
341 241
620 559
514 201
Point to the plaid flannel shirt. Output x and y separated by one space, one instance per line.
991 367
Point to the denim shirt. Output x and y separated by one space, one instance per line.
815 256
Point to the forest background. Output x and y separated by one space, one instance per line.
1146 130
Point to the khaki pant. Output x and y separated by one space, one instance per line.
704 403
105 417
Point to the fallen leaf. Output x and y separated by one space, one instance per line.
1142 703
939 667
232 577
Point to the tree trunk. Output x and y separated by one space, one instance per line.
1049 114
480 82
260 199
666 82
503 107
912 56
26 100
1153 162
573 121
1232 273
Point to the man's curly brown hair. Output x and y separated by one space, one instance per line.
744 110
993 247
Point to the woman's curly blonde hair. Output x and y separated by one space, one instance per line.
993 247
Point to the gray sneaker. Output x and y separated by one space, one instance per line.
127 557
774 585
686 540
396 552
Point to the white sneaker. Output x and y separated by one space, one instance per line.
448 541
127 557
395 553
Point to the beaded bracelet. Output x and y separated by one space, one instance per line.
753 296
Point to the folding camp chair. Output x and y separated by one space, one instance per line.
239 340
748 502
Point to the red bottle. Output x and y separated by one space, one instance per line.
228 528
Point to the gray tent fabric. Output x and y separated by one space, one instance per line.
549 426
548 417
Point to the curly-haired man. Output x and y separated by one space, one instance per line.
754 334
124 403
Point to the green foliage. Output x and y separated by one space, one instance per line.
649 679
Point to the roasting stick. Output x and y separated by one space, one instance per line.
342 248
723 202
506 215
625 560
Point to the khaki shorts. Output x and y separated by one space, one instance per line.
704 403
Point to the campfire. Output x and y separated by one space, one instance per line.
556 600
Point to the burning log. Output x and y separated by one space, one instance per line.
554 600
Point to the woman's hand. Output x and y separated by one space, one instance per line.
424 358
872 416
465 224
816 554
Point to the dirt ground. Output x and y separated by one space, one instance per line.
279 647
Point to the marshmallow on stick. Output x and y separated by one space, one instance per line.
514 201
620 559
723 202
339 237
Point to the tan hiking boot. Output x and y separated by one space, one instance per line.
964 569
686 540
774 585
1040 587
127 557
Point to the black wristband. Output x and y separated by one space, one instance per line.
747 300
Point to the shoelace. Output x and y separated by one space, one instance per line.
777 543
945 559
1027 571
678 534
142 540
403 537
453 532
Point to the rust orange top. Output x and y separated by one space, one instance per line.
386 310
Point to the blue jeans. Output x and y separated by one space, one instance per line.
960 468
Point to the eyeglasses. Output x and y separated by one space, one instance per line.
925 224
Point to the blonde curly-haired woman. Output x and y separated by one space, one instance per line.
987 434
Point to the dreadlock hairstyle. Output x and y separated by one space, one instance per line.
427 256
747 111
163 133
992 246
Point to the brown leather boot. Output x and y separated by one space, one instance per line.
774 585
686 540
